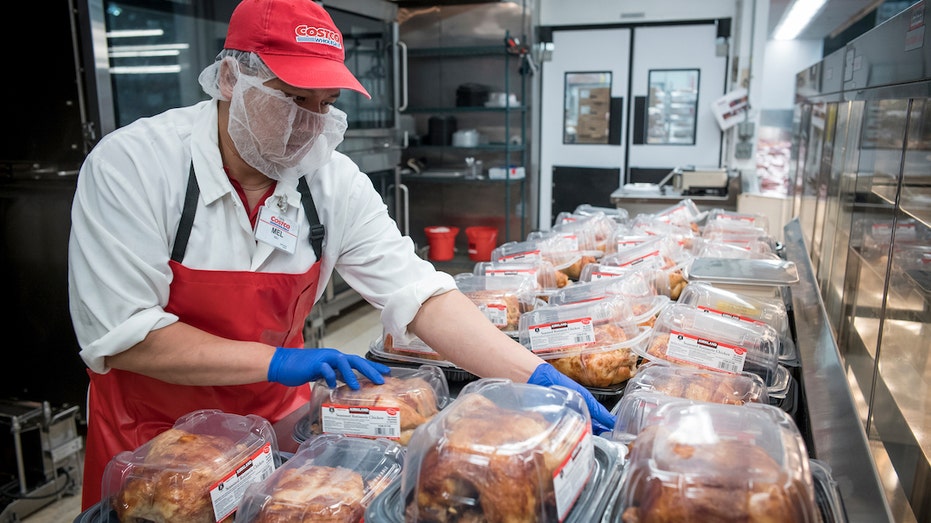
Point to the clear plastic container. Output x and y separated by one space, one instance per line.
746 238
331 477
655 253
412 355
714 462
497 443
745 308
593 231
408 399
754 249
609 459
501 299
685 213
636 287
617 214
699 384
517 252
738 219
547 277
594 343
195 471
414 351
685 335
635 411
827 493
565 251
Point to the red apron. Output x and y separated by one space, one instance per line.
126 409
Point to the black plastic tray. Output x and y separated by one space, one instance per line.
608 396
827 496
452 373
388 506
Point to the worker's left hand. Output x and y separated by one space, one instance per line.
547 375
293 367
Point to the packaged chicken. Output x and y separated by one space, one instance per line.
195 472
542 271
566 251
755 250
331 478
412 354
738 219
715 462
408 398
595 230
501 452
654 256
636 288
594 343
502 299
684 213
619 215
685 234
746 308
686 335
700 384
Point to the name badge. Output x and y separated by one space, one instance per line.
276 229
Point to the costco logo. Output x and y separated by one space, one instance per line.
318 35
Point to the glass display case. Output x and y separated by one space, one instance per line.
862 194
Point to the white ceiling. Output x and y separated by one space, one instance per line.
834 17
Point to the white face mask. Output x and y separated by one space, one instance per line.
274 134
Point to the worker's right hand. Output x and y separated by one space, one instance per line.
547 375
293 367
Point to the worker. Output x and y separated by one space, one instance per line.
202 236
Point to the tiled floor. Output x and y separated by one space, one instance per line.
351 331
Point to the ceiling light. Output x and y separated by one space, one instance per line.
796 18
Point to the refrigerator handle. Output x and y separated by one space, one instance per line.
401 189
403 47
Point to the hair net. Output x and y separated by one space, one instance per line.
249 63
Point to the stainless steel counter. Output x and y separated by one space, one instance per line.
636 202
835 429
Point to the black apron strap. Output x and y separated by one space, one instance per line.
317 230
183 233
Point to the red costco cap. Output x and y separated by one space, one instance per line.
296 39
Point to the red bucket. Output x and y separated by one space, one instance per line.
482 241
442 240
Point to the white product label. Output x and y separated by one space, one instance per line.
529 256
731 315
571 477
547 337
570 242
510 272
497 313
625 243
371 422
609 271
226 493
706 352
647 260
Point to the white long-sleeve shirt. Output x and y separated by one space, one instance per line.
125 216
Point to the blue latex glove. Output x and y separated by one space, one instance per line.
293 367
547 375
